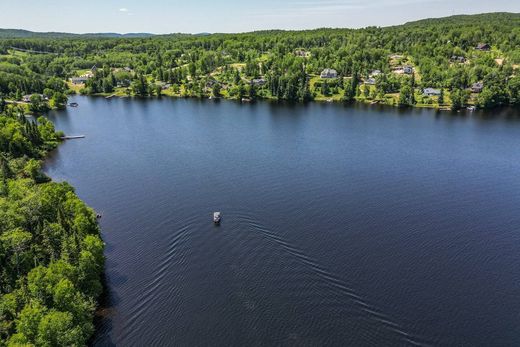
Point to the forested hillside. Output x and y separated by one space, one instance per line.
447 62
51 254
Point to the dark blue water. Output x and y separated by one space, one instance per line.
341 225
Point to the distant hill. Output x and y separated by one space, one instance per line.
457 20
467 19
20 33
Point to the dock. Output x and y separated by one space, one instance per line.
73 137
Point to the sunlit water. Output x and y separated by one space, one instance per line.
341 225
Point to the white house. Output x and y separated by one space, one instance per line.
431 92
258 82
329 73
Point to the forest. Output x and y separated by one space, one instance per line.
51 253
449 63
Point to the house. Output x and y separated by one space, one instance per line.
93 69
375 73
27 98
458 59
477 87
78 80
210 83
431 92
329 73
408 70
483 47
88 75
258 82
370 81
124 83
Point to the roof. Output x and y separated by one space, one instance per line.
431 91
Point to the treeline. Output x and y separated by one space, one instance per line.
285 65
51 253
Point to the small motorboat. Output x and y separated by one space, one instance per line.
73 104
216 217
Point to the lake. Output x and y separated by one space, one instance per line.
340 225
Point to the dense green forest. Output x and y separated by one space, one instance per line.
370 64
51 253
449 62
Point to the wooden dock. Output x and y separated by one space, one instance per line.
73 137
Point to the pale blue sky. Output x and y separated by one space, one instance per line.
193 16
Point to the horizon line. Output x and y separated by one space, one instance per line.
246 32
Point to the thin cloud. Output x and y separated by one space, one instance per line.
124 9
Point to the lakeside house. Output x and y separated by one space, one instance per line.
458 59
124 83
78 80
477 87
431 92
27 98
483 47
329 73
258 82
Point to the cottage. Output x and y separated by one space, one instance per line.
477 87
258 82
88 75
124 83
27 98
483 47
78 80
408 70
370 81
431 92
302 53
375 73
458 59
210 83
329 73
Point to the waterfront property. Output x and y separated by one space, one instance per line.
477 87
329 73
431 92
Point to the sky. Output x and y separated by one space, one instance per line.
197 16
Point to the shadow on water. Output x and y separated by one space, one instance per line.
108 302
